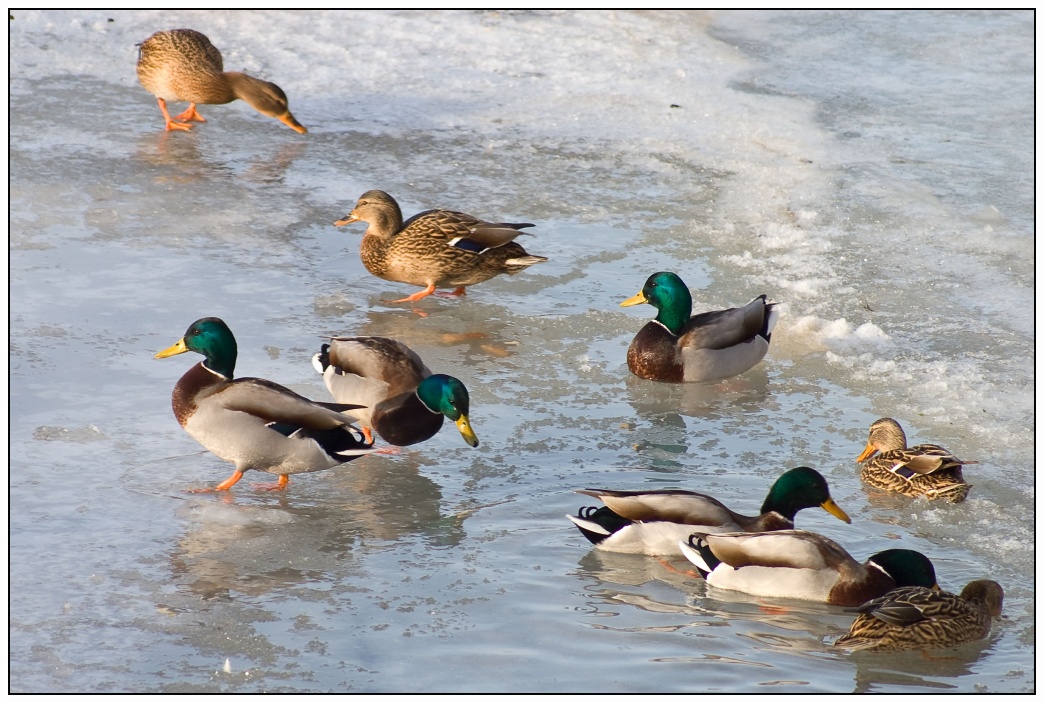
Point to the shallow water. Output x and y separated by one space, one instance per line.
864 169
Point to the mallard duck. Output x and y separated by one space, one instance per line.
435 248
398 395
921 618
802 565
251 422
182 64
710 346
652 522
925 470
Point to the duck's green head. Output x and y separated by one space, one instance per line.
669 295
906 567
447 395
212 338
798 489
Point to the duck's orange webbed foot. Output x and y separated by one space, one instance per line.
171 124
223 486
279 485
692 573
190 114
416 296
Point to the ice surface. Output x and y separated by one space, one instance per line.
872 172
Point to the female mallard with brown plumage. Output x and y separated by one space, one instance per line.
251 422
922 618
182 65
802 565
652 522
399 396
435 248
710 346
924 470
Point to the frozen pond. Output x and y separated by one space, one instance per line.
873 172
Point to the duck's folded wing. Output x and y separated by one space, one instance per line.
927 458
902 606
376 360
463 231
488 235
275 403
683 507
722 329
786 548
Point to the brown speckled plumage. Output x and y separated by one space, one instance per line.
924 470
182 65
435 248
923 618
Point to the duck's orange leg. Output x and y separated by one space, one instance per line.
190 114
223 486
416 296
279 485
171 124
368 436
688 572
459 291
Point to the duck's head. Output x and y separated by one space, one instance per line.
885 435
376 208
985 591
265 97
798 489
447 395
669 295
906 567
212 338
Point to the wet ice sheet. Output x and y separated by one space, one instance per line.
450 568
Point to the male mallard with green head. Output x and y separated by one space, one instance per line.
652 522
254 423
710 346
399 396
802 565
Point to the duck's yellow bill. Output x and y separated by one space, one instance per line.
347 219
834 509
867 453
177 348
466 432
636 299
293 124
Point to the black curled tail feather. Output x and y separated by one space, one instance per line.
343 443
604 518
699 544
